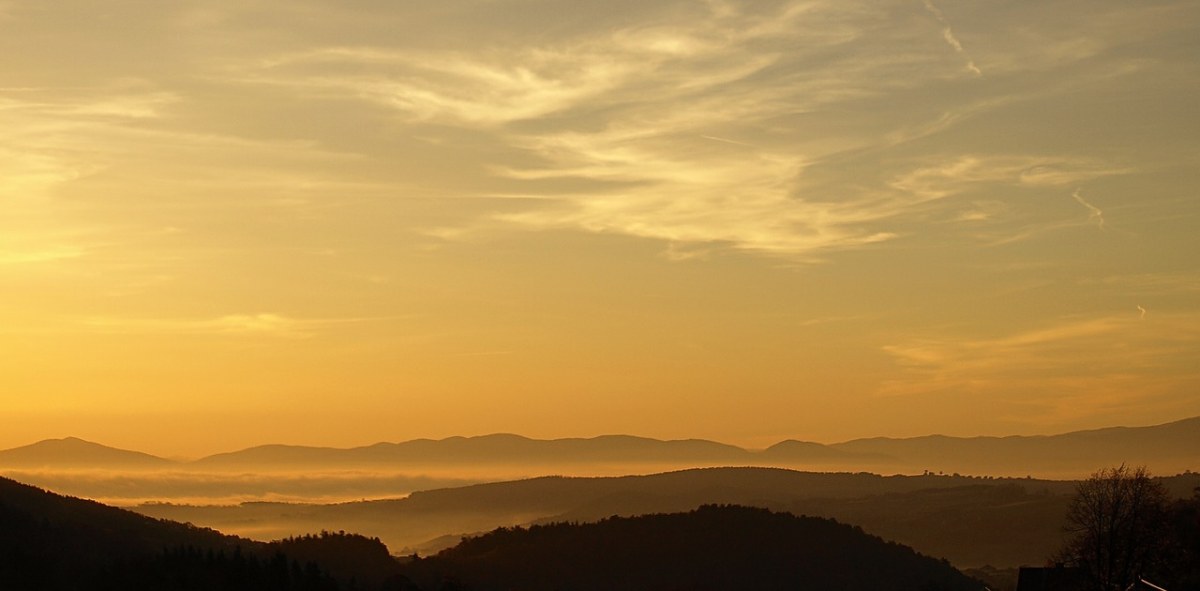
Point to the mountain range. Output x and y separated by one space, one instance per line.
1167 448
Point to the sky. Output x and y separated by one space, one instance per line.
225 223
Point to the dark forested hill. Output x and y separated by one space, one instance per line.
51 542
970 521
1028 510
714 547
48 541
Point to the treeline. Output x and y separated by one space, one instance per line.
1185 524
1125 529
192 569
53 542
714 547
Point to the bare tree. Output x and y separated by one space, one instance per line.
1116 524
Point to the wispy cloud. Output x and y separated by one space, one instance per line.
318 158
1094 212
644 120
951 40
954 174
682 126
741 199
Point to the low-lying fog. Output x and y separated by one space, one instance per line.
129 488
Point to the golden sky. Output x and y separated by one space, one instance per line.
225 222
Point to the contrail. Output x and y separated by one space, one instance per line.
1095 214
951 40
1143 311
728 141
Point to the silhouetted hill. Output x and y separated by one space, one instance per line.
974 525
939 515
793 452
72 452
353 558
714 547
1023 521
422 520
51 542
425 515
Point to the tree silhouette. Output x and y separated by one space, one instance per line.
1117 525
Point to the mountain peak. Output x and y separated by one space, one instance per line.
69 441
73 452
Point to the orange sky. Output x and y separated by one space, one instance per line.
228 223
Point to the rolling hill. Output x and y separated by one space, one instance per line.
51 542
48 541
713 547
969 521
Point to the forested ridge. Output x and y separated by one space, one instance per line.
51 542
713 547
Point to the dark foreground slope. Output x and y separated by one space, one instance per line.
714 547
51 542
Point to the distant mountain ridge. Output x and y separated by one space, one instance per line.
72 452
1166 448
493 449
1169 447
